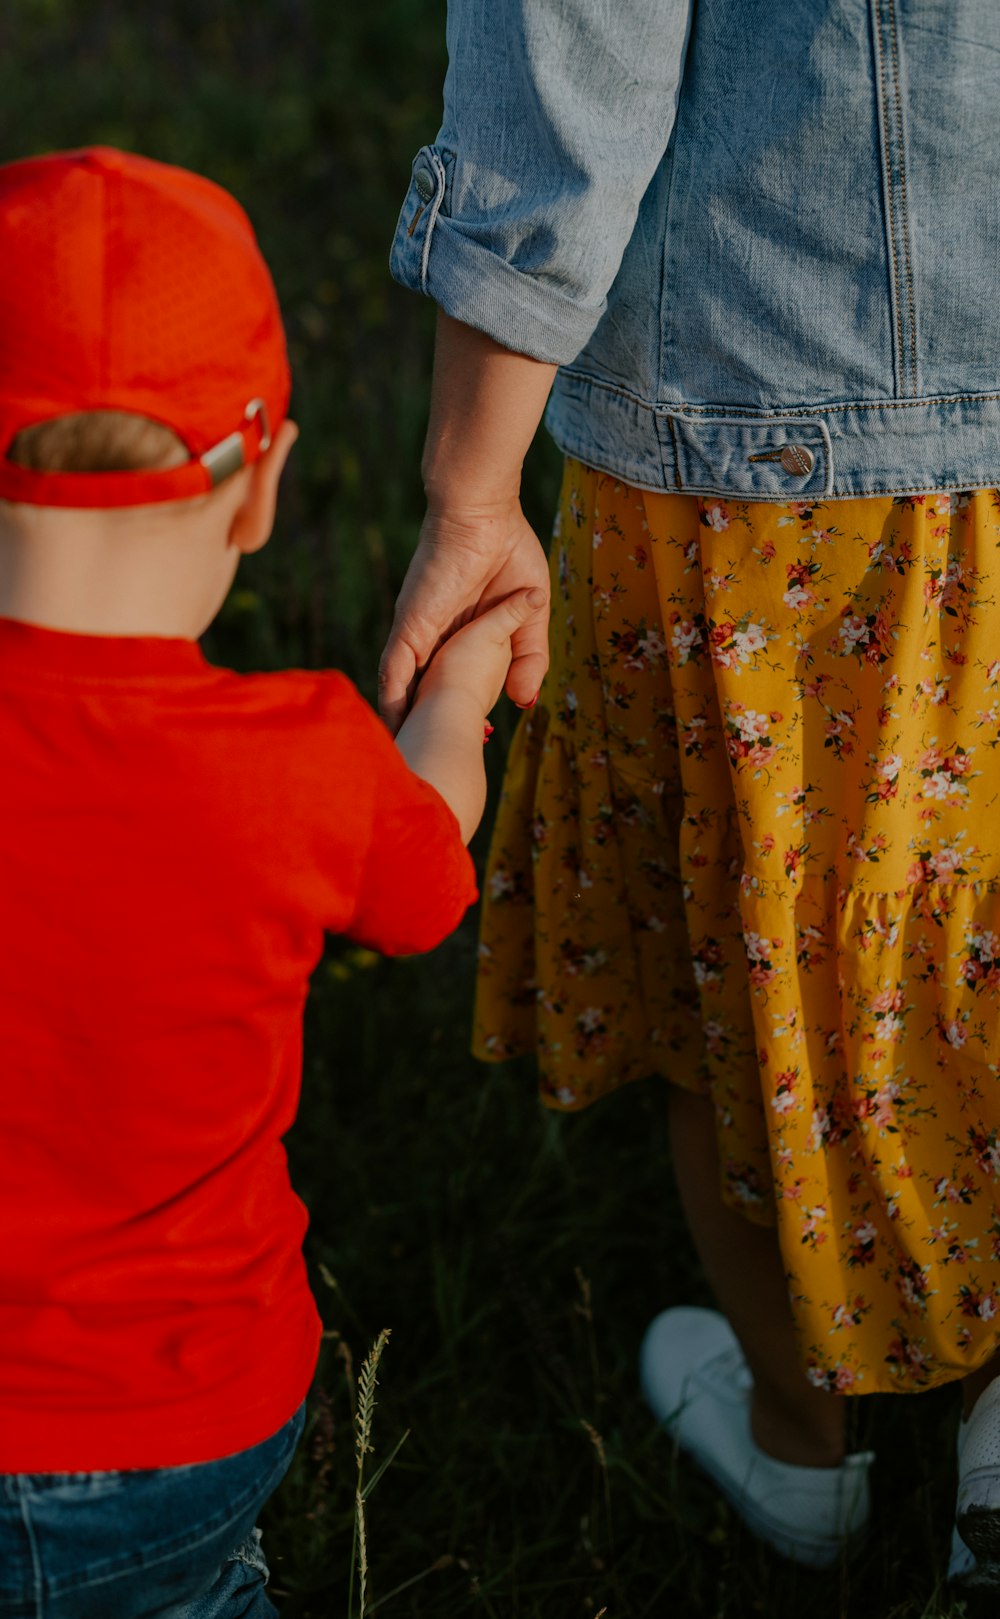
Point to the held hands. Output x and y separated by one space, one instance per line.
467 562
477 659
441 737
475 547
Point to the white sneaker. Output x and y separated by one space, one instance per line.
977 1509
698 1384
962 1565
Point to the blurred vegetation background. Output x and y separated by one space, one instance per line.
515 1256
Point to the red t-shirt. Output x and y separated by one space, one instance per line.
174 840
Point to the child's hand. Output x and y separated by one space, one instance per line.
476 658
441 738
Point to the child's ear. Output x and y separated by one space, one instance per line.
254 517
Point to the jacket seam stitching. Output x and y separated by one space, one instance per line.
831 410
696 491
670 158
672 425
830 493
434 210
905 220
883 113
800 413
922 489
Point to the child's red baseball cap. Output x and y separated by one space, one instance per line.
131 285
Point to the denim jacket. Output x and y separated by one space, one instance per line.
760 237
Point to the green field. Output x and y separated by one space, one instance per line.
515 1256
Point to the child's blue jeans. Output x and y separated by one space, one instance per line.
163 1543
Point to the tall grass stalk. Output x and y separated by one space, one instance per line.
367 1384
363 1416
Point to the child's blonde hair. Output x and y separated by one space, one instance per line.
98 441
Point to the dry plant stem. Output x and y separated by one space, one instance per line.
362 1447
790 1419
585 1309
437 1567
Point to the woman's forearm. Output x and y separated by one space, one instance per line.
475 546
486 404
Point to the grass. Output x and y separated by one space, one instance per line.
516 1257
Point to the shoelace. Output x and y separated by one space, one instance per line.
731 1366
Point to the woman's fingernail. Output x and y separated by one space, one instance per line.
488 730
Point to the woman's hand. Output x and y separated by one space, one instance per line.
475 546
465 562
476 660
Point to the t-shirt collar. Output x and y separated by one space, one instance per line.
41 650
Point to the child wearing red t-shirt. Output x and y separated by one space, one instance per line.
174 841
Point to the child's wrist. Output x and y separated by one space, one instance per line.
463 706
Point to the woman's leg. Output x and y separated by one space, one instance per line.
976 1382
790 1419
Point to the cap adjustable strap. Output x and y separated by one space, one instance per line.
229 455
198 476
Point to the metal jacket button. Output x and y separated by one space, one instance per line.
423 179
797 460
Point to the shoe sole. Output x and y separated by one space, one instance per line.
982 1578
979 1527
819 1553
978 1513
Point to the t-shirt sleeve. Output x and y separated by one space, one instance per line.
416 879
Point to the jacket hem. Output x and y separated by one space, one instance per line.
854 448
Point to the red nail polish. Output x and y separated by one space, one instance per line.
488 730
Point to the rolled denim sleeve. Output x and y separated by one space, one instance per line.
557 113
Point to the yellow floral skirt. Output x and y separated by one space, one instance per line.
750 841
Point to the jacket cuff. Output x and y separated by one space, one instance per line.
432 254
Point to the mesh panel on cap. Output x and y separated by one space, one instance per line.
50 279
208 314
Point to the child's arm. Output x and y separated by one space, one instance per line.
441 738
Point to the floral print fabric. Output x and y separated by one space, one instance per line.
750 840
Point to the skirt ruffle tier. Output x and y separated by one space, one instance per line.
750 841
